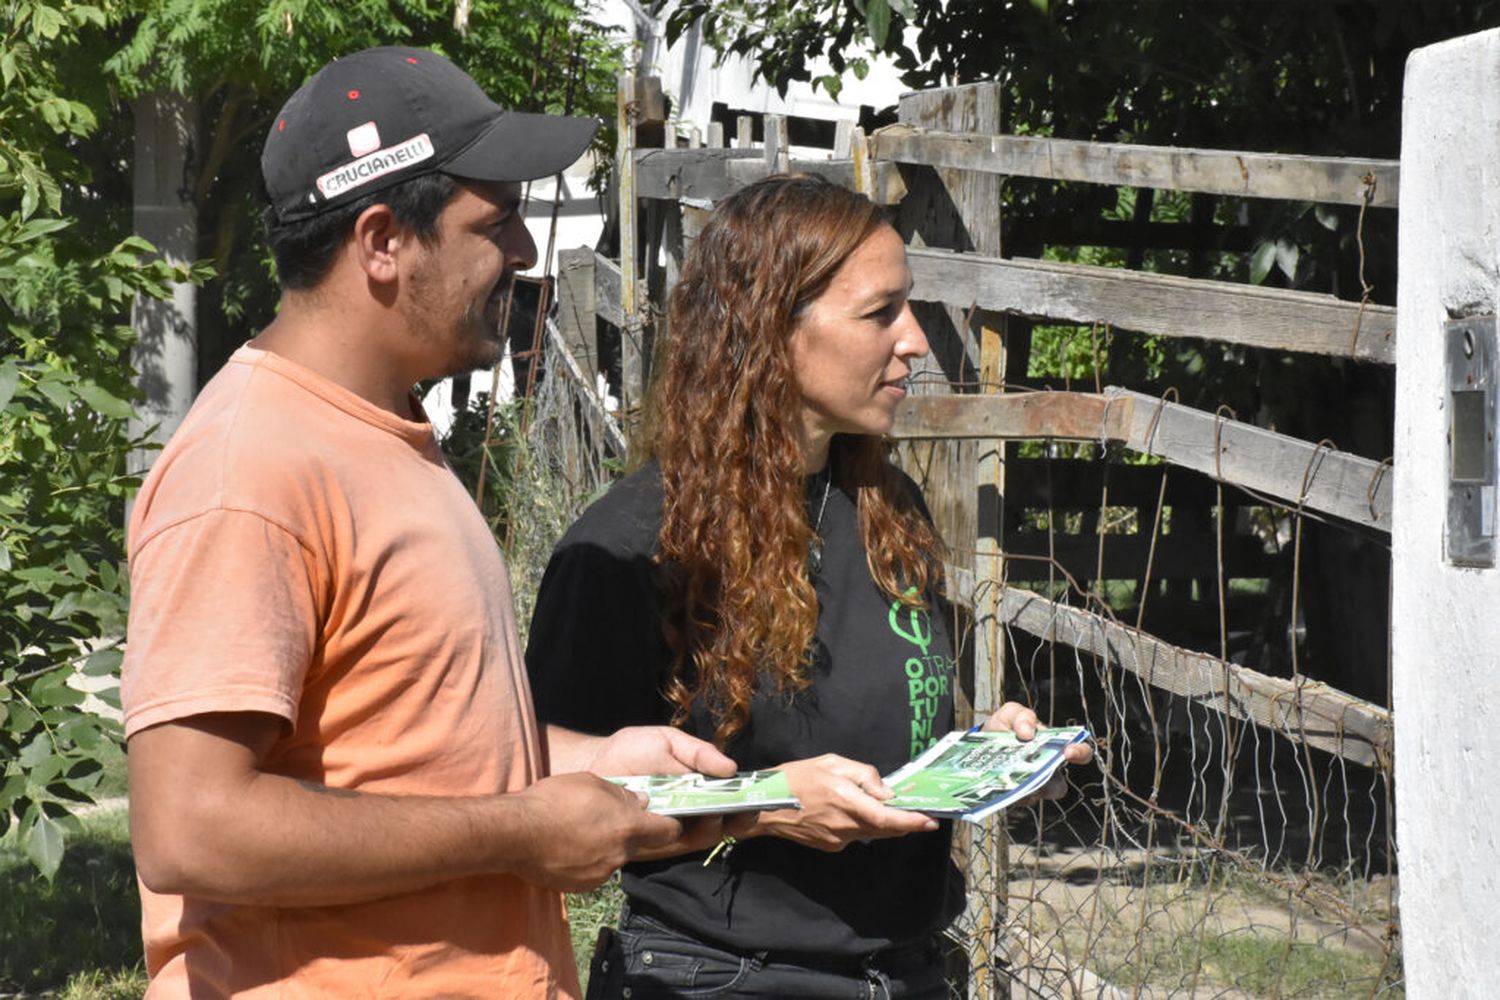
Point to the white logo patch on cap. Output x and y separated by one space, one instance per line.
363 139
376 165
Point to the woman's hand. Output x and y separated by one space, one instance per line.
1017 718
841 802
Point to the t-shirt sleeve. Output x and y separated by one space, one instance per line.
223 618
595 652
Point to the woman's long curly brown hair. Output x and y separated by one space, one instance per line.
723 420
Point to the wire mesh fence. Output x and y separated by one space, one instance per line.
1201 854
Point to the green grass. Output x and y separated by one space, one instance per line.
1262 965
129 984
587 912
77 937
1266 965
1198 937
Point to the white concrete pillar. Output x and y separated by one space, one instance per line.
166 352
1445 620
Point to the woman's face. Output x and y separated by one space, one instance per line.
852 345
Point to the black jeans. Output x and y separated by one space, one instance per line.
646 959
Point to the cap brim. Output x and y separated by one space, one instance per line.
523 147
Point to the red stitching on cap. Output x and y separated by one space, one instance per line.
411 60
281 125
353 95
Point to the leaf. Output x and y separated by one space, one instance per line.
44 844
35 228
1261 261
53 691
76 565
32 754
878 20
30 196
60 394
84 734
103 661
1327 217
1287 254
47 22
1040 5
44 576
9 378
10 790
104 402
137 243
64 608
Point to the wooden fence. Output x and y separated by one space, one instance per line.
940 169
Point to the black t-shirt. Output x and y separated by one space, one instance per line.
881 691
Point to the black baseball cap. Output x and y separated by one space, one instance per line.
381 116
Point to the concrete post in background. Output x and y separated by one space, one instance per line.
1445 620
166 351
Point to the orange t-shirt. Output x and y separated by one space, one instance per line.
299 551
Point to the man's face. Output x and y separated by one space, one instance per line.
458 285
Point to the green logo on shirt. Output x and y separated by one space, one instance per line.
927 673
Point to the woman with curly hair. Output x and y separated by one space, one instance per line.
768 580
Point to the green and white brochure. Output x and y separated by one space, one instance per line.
971 774
695 794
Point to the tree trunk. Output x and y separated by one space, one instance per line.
166 349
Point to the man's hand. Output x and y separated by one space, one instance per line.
582 828
1017 718
635 750
652 750
841 803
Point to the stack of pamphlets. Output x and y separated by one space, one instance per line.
965 775
699 795
969 775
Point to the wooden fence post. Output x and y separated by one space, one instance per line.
631 329
778 144
960 210
576 307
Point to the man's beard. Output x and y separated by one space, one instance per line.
485 351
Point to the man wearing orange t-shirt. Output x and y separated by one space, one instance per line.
337 783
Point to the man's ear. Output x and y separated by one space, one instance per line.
379 240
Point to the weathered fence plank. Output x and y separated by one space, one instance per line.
607 290
1308 712
704 176
1243 174
1295 472
1073 416
1161 304
1299 473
